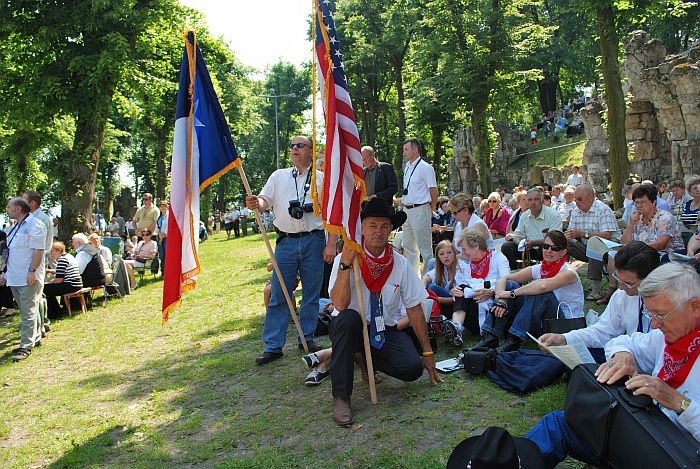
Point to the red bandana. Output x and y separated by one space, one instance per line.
480 268
376 270
679 358
548 270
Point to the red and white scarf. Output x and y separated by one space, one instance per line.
679 358
481 267
548 270
376 270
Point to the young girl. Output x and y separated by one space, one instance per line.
448 272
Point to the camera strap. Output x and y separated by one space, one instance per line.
405 189
307 185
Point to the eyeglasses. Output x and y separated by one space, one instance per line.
554 248
493 201
641 203
146 198
297 145
626 285
659 317
458 211
579 199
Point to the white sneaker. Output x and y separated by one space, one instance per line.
9 312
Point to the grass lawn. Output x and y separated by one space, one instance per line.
114 388
547 153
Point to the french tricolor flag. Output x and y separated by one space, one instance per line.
203 151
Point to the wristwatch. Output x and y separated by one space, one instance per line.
512 294
32 270
685 403
342 266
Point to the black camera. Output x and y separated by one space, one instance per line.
296 210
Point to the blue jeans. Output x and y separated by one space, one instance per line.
161 253
305 256
442 292
528 310
556 440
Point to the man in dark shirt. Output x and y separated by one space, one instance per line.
380 178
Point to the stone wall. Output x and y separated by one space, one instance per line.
662 127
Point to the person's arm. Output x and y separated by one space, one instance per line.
481 229
433 196
37 257
136 218
329 251
389 175
420 328
544 285
341 291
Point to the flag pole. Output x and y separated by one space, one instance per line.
365 334
292 309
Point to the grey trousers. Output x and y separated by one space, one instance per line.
577 250
27 297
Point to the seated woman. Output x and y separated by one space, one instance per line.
448 272
462 208
146 250
496 216
555 287
694 249
676 196
473 297
66 278
520 198
441 223
623 315
691 209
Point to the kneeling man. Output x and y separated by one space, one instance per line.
388 281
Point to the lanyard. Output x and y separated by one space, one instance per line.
640 328
409 177
14 231
307 184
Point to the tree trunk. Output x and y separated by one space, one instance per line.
437 149
482 144
400 97
79 186
548 94
609 43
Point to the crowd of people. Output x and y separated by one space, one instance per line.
497 265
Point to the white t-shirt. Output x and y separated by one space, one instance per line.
473 221
571 294
403 287
282 187
461 274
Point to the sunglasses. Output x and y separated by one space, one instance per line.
493 201
458 211
547 247
297 145
146 234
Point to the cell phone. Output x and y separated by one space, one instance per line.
487 284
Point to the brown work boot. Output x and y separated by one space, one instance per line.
342 412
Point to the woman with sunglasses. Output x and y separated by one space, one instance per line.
462 208
146 250
554 286
496 216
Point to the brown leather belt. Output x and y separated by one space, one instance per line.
415 205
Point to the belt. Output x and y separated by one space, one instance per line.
282 234
415 205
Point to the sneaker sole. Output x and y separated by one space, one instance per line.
450 332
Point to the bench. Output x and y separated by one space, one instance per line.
80 294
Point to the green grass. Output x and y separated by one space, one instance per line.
553 156
113 388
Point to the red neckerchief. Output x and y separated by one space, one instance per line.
376 270
548 270
679 358
480 268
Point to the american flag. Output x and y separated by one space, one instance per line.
343 181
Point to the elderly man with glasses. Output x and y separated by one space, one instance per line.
591 217
301 248
662 364
147 216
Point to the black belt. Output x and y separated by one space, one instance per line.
282 234
415 205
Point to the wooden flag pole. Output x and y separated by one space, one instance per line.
365 334
290 303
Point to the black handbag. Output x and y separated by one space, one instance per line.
623 430
562 325
479 360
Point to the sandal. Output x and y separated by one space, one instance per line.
21 354
604 300
310 360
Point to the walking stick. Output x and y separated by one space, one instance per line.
365 334
292 309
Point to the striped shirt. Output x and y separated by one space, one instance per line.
689 215
598 218
67 269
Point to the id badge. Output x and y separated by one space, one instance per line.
379 322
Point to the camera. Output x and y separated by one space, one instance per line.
296 210
405 191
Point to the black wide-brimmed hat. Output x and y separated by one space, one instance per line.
496 449
378 207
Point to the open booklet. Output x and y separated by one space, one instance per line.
597 247
449 365
679 258
570 354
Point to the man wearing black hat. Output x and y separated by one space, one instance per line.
388 284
